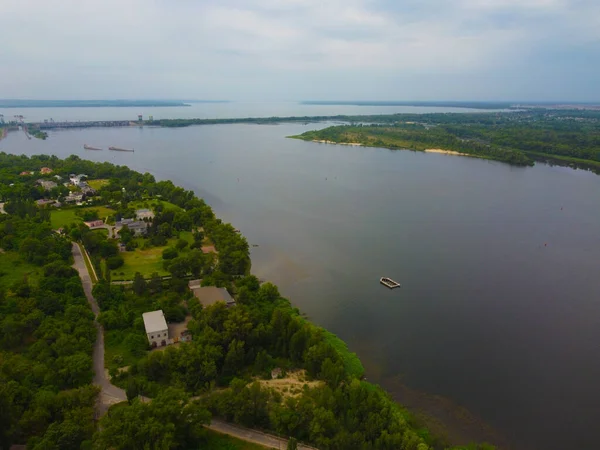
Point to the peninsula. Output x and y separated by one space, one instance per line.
221 346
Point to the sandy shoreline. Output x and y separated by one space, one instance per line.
337 143
446 152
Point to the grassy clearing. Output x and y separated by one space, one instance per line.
352 364
292 385
146 261
97 184
13 269
153 203
114 346
61 217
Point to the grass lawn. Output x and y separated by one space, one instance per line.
114 345
61 217
153 203
146 261
97 184
13 269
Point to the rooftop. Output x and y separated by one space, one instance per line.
154 321
209 295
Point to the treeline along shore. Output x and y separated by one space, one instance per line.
230 368
519 137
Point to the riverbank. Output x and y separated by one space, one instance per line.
337 143
446 152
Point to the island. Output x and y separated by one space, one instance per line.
129 319
568 137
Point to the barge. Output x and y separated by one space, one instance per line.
89 147
388 282
118 149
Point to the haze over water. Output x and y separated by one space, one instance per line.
499 308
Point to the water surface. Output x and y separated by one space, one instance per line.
499 308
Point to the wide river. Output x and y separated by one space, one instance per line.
499 310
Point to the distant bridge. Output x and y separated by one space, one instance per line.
89 124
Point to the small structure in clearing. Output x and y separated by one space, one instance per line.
292 385
95 223
156 328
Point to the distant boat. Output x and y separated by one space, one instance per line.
89 147
118 149
388 282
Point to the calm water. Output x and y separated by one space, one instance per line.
500 305
214 110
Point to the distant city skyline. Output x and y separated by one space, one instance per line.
295 50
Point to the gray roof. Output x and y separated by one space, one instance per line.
154 321
209 295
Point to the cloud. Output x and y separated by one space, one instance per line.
277 49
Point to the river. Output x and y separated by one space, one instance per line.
499 309
223 110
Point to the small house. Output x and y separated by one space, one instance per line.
46 170
47 184
209 295
142 214
137 227
73 197
95 223
156 328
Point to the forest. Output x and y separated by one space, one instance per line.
518 138
228 371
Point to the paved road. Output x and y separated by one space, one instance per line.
109 393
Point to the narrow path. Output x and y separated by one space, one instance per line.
110 394
249 435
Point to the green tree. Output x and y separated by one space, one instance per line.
139 284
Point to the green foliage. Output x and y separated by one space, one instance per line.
46 340
114 262
169 253
515 137
171 420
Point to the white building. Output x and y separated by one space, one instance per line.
156 328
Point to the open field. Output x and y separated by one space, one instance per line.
153 203
66 216
97 184
146 261
115 345
292 385
13 269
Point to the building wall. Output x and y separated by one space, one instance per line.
158 337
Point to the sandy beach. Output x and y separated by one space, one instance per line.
446 152
337 143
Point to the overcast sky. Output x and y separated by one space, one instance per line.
301 49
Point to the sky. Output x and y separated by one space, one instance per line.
286 50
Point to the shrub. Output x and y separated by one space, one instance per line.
114 262
169 253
